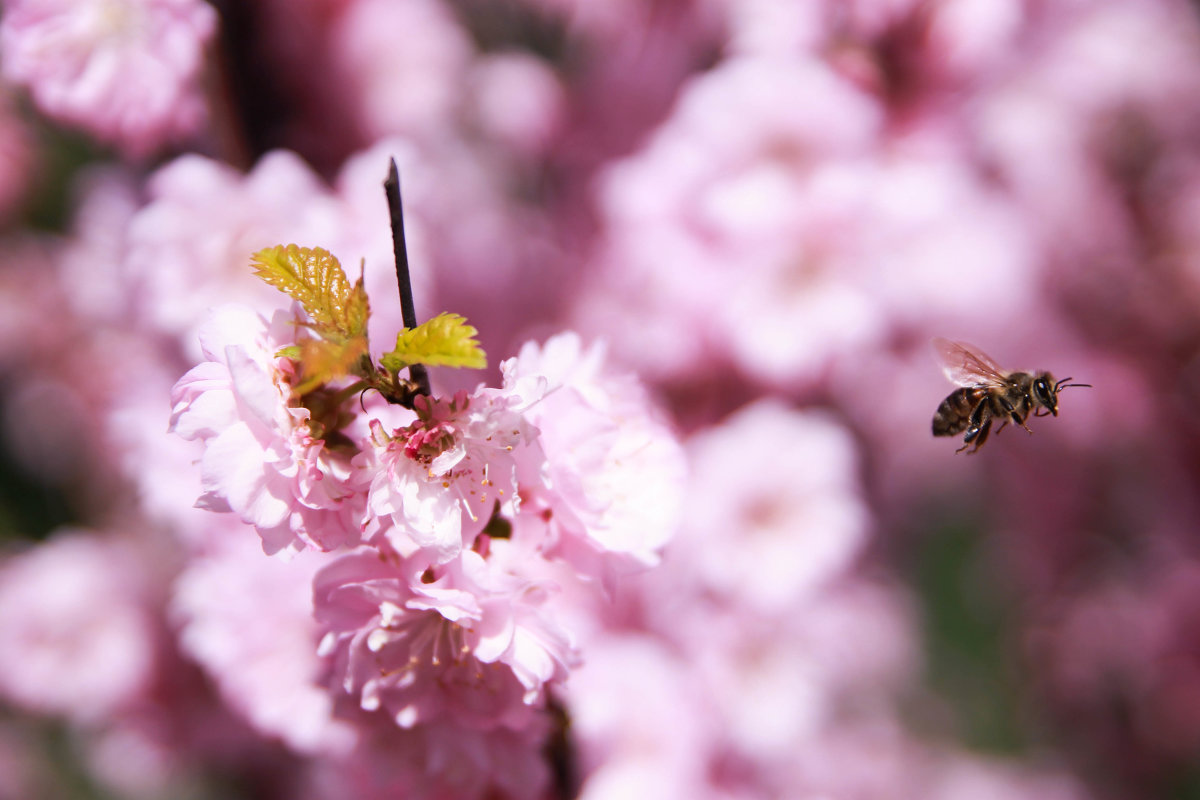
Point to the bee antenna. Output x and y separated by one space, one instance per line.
1063 384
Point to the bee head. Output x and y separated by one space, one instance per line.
1045 391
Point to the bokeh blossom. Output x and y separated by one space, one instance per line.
81 608
127 71
272 677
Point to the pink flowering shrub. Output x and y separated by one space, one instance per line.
440 604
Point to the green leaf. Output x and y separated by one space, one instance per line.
337 312
322 361
314 277
444 341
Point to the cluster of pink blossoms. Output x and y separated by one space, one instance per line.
448 532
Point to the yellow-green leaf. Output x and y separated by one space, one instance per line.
314 277
322 361
444 341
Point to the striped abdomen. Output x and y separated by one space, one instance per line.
954 414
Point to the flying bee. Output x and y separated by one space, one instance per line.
989 393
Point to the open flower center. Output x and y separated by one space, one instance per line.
424 441
422 640
436 429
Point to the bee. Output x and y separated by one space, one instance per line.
989 393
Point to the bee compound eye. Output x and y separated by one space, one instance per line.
1044 393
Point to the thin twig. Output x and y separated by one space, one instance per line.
417 372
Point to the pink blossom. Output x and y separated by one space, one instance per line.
774 494
741 706
927 213
83 644
438 761
962 776
778 683
642 721
93 270
519 101
879 760
205 219
261 459
783 249
1131 640
440 479
611 489
720 236
765 27
241 214
969 38
1058 124
1089 60
264 664
628 59
461 641
127 71
977 38
746 706
160 468
414 90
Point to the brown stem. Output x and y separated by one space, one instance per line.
418 373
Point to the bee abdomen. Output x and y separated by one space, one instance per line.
954 414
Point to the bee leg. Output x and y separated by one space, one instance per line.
970 437
1020 414
972 432
977 427
983 435
1010 411
1003 422
975 421
976 438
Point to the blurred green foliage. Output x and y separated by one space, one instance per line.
967 625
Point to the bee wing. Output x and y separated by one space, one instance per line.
967 365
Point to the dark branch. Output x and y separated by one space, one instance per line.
417 372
